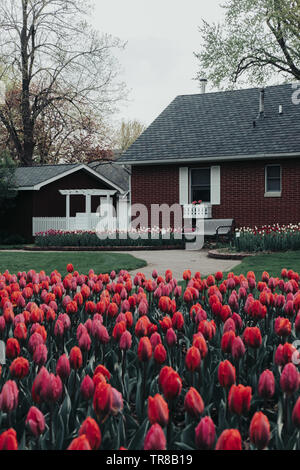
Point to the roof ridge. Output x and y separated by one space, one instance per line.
49 165
235 91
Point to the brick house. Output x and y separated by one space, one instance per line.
237 151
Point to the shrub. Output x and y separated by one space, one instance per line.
123 239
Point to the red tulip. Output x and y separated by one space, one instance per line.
207 328
63 368
141 327
200 343
193 359
285 353
117 402
205 434
8 440
158 411
289 379
160 354
144 349
12 348
119 329
225 312
282 327
102 370
170 382
80 443
40 355
296 414
239 399
34 340
193 403
125 340
155 339
226 374
87 388
171 337
75 358
20 332
85 342
187 275
230 439
266 384
252 337
155 438
35 421
91 430
9 396
103 400
70 268
46 387
227 340
260 430
19 368
237 348
177 321
166 323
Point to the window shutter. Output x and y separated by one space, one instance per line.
215 175
183 185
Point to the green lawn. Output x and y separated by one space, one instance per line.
272 263
101 262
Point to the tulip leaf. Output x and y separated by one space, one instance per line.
137 441
183 446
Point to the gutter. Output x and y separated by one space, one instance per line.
261 156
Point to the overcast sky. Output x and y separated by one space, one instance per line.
158 62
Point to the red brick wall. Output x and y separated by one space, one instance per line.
155 185
242 191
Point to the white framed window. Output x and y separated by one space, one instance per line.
273 180
200 186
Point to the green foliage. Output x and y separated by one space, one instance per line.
255 39
8 192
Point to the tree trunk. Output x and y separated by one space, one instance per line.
28 139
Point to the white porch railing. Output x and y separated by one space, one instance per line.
197 211
82 222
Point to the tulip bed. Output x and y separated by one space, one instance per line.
110 362
268 238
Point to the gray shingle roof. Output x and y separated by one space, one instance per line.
112 172
216 125
27 177
33 175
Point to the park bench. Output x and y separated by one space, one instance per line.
219 227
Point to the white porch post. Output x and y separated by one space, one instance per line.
109 212
88 209
123 218
68 210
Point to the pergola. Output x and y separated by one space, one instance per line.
88 193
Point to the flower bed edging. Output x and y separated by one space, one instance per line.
234 256
101 248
